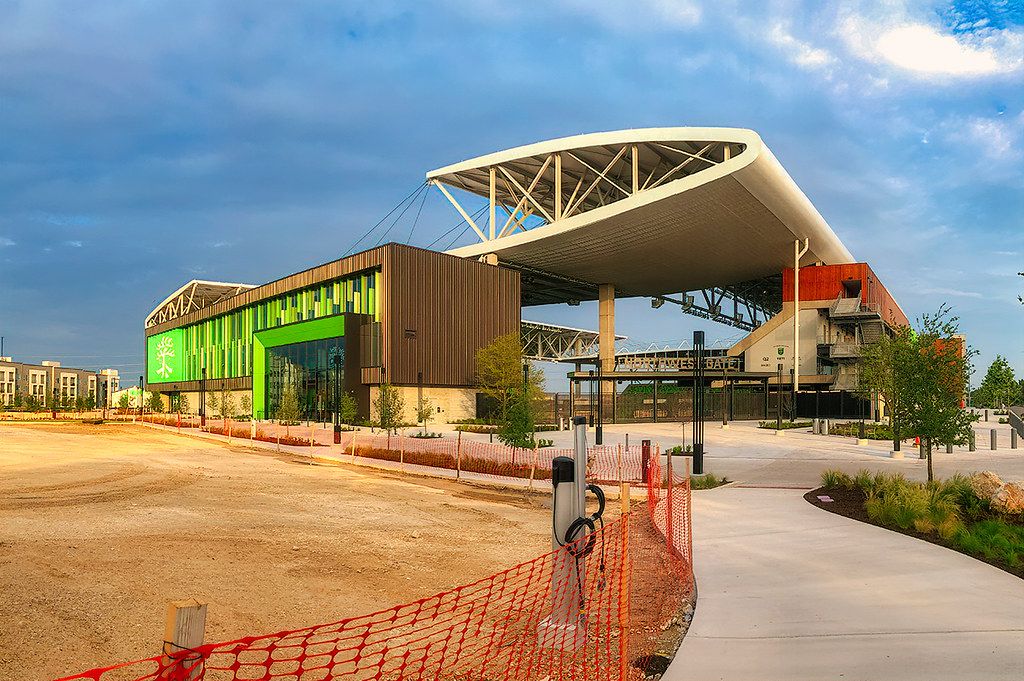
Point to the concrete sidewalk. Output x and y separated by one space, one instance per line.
787 592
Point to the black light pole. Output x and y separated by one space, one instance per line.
142 396
792 402
590 403
202 400
778 399
599 431
337 396
725 392
698 403
862 403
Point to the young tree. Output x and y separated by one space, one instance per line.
887 368
424 412
124 401
212 403
155 403
389 406
942 367
348 409
246 405
517 427
227 404
90 402
181 404
999 387
80 403
499 368
288 409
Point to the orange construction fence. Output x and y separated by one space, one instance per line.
601 608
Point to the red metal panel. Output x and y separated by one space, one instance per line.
825 282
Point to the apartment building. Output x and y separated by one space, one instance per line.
21 382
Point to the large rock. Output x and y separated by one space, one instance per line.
1009 498
985 484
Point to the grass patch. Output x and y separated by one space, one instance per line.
945 512
707 481
786 425
872 431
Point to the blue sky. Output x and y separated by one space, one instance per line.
145 144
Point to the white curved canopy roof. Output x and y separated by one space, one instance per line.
652 211
193 295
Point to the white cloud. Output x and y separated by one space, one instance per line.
1000 139
926 51
645 14
74 243
798 51
4 241
950 292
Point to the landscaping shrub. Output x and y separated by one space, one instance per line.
426 436
707 481
786 425
832 479
477 428
872 431
949 508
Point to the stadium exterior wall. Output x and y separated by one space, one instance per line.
411 317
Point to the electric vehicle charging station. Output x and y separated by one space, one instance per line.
566 627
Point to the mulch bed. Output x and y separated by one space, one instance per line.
850 504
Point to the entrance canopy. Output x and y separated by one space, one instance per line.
651 211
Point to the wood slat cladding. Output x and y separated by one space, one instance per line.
438 310
314 275
212 385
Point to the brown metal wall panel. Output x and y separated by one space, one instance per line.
438 310
315 275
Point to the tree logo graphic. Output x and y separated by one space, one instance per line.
164 351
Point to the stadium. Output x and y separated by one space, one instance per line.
702 219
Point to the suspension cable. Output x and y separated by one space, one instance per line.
381 221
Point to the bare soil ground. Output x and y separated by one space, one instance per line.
102 525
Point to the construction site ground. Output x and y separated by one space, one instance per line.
104 524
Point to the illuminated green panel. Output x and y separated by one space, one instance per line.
165 357
224 344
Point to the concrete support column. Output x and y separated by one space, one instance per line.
606 328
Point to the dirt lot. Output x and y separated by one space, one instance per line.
102 525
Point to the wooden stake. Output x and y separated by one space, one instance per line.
184 629
624 583
401 452
533 464
458 457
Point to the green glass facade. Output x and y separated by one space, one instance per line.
301 337
224 344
